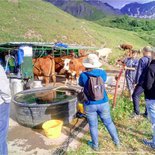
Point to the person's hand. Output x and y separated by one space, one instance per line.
125 68
135 85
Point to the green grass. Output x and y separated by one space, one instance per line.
143 27
131 133
32 20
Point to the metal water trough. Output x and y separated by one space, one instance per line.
34 107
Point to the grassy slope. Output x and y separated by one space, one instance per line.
40 21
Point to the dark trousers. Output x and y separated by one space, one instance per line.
136 97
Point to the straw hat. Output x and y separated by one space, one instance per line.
92 61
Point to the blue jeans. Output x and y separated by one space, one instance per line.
150 105
4 124
103 111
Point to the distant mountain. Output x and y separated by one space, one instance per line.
104 7
87 9
146 10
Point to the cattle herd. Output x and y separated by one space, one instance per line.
48 67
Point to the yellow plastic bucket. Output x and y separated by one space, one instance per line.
81 108
52 128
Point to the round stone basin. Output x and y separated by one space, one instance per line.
34 107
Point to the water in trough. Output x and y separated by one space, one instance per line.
46 97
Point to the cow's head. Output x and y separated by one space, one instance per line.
66 64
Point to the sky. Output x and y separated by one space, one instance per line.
121 3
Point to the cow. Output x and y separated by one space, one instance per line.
126 47
82 53
59 62
44 67
104 53
73 68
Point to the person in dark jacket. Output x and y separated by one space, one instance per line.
94 108
140 75
149 91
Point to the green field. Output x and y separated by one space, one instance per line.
30 20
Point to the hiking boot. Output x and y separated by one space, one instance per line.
90 143
149 144
145 115
135 116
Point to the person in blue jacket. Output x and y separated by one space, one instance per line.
131 67
100 108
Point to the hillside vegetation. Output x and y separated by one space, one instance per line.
144 27
29 20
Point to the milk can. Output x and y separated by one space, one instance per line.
16 86
37 84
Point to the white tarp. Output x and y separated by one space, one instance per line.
28 51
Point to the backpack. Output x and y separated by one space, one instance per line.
95 89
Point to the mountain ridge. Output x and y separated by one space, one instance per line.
140 10
87 9
94 10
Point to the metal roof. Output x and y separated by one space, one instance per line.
10 45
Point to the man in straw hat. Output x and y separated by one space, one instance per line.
149 90
4 110
97 103
140 75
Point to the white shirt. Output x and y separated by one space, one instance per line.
5 94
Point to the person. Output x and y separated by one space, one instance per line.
4 110
149 90
92 107
131 66
139 80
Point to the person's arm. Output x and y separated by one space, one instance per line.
5 94
150 77
81 81
139 71
130 68
134 65
104 76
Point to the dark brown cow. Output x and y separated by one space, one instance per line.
126 47
44 67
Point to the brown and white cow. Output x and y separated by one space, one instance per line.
59 63
44 67
73 68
